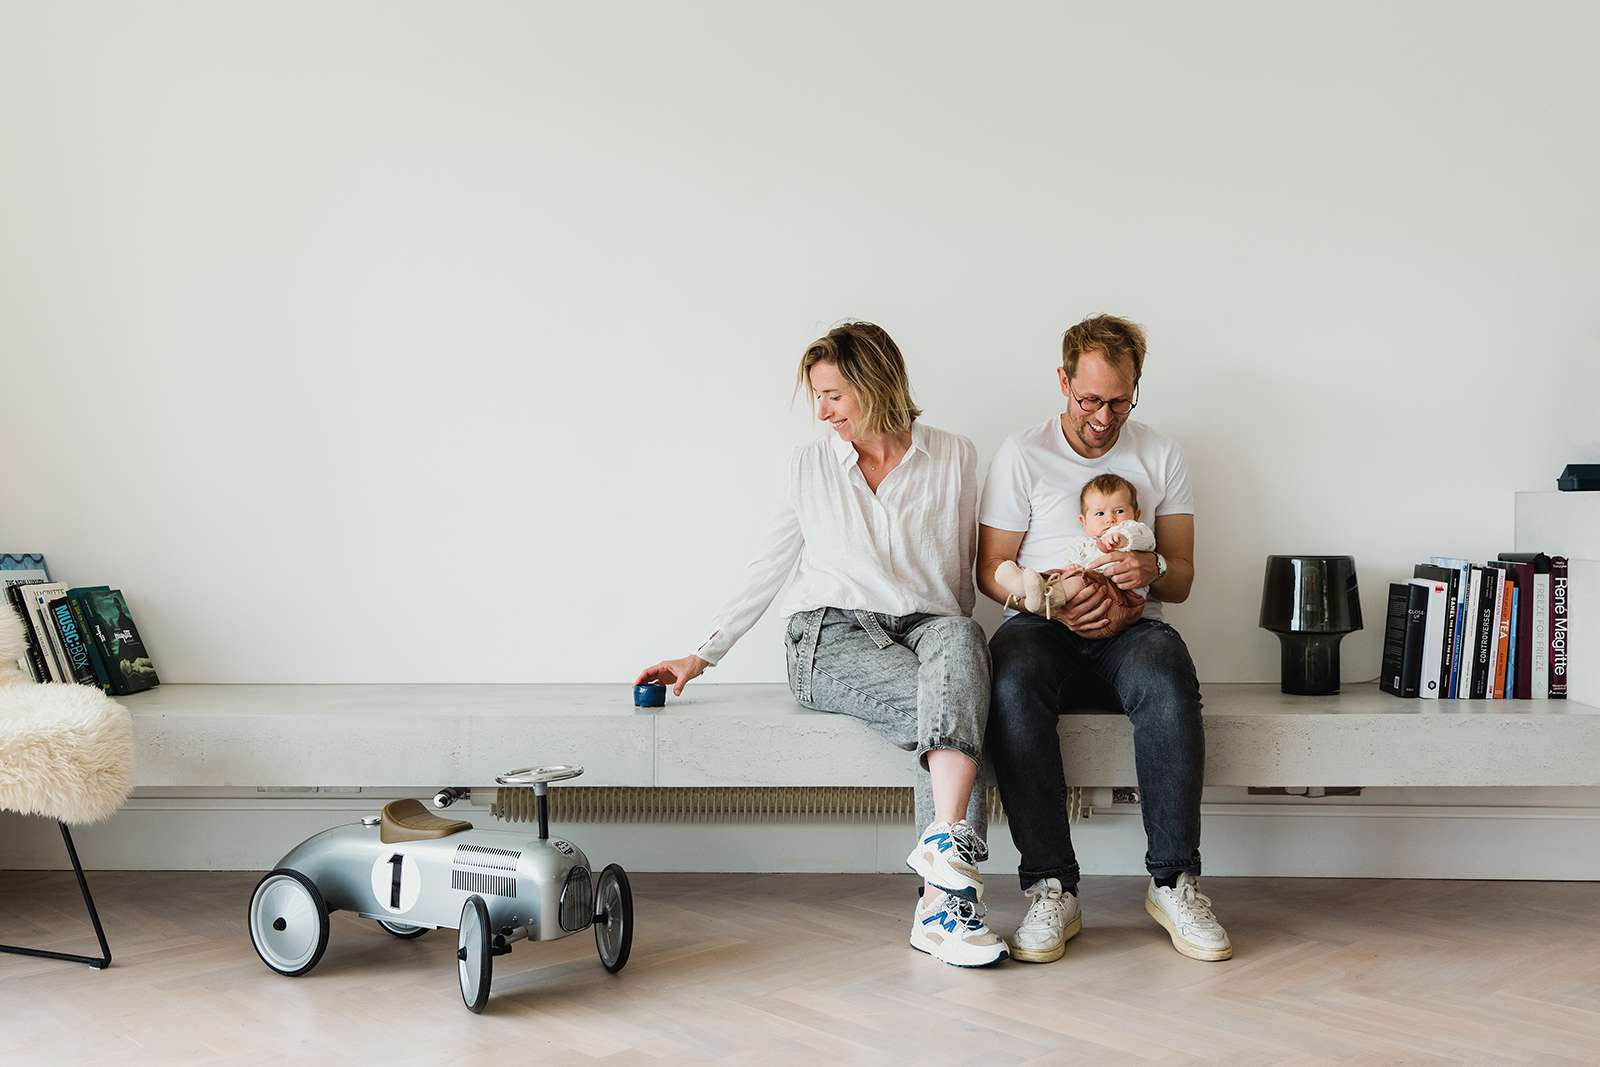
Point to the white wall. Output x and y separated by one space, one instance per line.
419 342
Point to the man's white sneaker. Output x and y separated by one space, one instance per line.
1053 919
1186 913
947 854
949 927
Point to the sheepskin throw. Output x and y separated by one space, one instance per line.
13 646
66 751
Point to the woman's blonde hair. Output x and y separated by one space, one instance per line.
869 360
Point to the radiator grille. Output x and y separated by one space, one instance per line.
577 900
495 885
728 803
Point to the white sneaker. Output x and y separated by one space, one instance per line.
950 927
947 854
1186 913
1053 919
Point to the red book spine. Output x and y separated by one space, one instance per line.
1503 665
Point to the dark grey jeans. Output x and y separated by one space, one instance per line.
1042 669
922 681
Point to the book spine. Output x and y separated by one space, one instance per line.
1432 660
1502 662
1511 645
32 656
1469 633
1483 639
1539 638
102 677
1446 578
72 642
1522 635
1416 626
46 634
1391 676
1495 611
1558 627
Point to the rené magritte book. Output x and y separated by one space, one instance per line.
1488 632
83 634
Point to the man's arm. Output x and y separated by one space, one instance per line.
1175 541
1130 570
995 546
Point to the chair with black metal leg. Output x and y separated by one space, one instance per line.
66 753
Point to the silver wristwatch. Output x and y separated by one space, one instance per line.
1161 566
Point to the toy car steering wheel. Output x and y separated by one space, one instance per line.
538 775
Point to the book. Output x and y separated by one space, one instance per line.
123 652
33 655
1508 590
1521 683
1469 632
17 567
1535 621
1402 639
1432 668
1558 627
72 641
80 615
1447 577
1459 669
1488 593
1511 642
38 596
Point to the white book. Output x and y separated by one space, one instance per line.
44 628
1470 635
1432 638
1541 637
1458 671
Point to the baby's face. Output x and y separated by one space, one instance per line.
1102 511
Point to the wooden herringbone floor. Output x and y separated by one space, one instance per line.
789 969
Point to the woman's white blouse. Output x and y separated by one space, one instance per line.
907 549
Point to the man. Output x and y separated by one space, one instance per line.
1096 650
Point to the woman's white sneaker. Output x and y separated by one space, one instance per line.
950 927
947 855
1053 919
1186 914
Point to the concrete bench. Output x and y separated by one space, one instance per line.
423 736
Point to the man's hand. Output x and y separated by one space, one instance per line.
1127 570
1098 612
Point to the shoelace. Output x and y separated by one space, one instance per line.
1047 909
963 911
1196 905
968 845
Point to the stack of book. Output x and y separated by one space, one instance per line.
1491 632
82 634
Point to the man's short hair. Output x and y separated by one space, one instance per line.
1105 485
1121 341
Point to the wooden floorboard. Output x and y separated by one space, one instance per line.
814 968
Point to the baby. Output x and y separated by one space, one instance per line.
1109 514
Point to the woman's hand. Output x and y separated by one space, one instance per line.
675 672
1127 570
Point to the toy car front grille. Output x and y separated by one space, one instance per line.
500 859
577 900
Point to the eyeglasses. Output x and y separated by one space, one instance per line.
1092 404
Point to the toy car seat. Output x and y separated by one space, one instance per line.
408 820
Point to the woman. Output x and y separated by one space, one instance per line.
880 515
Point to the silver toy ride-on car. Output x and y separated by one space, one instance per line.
412 871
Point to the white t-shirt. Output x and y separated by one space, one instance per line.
1036 477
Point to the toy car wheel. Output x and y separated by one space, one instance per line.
474 953
288 922
613 918
404 931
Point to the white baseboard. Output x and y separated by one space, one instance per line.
1527 834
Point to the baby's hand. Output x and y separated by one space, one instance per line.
1113 541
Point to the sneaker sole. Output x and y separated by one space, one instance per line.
971 892
964 966
1050 955
1194 952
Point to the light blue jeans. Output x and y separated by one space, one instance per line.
922 681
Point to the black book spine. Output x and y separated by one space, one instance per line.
1558 628
35 655
72 642
1448 578
1392 678
1485 632
102 677
1416 632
